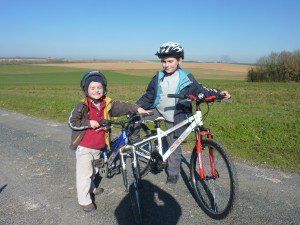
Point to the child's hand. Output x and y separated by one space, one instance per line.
94 124
143 111
225 95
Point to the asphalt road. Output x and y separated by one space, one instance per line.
37 186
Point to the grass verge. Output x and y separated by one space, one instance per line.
261 125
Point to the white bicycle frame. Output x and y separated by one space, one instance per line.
123 151
195 121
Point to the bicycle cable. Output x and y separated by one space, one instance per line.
206 113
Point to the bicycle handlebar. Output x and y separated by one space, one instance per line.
132 119
209 99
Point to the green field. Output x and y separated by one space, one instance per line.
260 126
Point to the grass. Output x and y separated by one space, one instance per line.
199 73
261 125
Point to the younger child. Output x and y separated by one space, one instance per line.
88 139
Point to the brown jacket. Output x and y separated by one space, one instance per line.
79 122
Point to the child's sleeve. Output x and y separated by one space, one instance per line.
122 108
77 120
147 99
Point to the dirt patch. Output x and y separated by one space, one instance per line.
145 65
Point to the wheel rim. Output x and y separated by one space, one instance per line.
214 193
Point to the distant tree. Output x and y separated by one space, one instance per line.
278 67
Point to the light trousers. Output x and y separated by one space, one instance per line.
85 173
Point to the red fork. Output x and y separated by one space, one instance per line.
213 170
199 149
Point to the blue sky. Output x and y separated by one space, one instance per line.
134 29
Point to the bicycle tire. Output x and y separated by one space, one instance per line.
133 179
226 185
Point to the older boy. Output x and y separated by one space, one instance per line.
173 80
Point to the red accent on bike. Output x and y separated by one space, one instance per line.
199 149
211 98
213 169
193 97
212 164
206 133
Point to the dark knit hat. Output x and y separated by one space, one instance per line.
91 76
93 79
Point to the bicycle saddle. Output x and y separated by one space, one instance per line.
158 120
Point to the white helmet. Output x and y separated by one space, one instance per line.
170 49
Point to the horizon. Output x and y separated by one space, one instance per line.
235 31
66 60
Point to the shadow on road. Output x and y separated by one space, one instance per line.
186 178
158 207
1 189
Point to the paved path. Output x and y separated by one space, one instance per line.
37 177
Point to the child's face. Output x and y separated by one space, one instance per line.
170 64
95 90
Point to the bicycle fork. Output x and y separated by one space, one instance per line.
199 150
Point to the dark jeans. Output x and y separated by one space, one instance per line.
174 159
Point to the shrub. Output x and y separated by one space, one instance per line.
278 67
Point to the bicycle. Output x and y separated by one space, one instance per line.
123 158
109 161
212 172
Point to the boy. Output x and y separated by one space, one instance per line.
173 80
88 138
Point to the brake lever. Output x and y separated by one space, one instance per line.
184 100
227 100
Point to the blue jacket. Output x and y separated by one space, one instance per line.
187 85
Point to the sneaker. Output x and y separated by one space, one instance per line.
98 191
172 179
89 207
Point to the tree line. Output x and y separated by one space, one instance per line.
279 67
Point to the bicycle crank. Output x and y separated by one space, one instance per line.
156 163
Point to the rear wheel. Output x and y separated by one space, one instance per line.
216 193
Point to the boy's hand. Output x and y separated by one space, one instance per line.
143 111
94 124
225 95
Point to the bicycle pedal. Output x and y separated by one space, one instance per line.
113 172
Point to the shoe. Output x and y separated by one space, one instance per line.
172 179
98 191
89 207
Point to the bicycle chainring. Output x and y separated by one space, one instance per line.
156 163
103 170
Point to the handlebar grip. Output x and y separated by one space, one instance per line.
104 123
211 98
180 96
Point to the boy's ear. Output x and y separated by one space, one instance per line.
180 60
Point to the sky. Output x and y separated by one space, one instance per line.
209 30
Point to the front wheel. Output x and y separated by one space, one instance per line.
131 178
216 186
